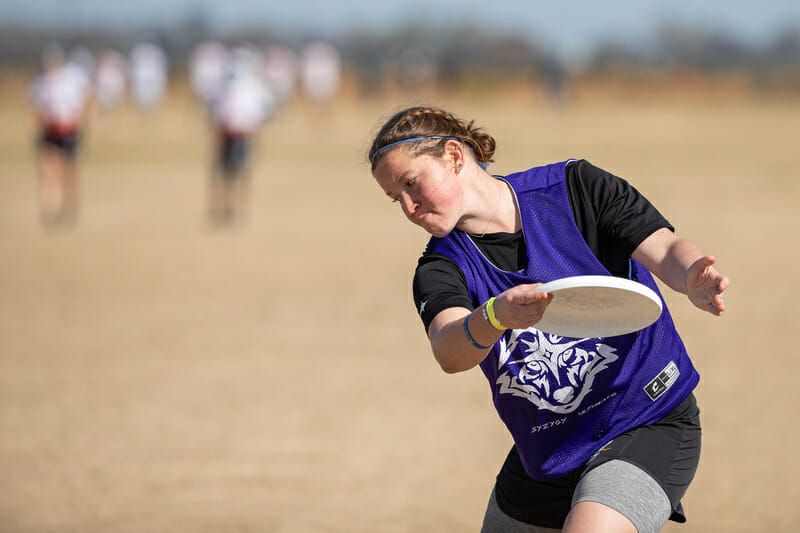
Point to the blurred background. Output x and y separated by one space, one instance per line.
206 320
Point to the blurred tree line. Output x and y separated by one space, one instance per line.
420 54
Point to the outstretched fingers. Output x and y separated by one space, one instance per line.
705 285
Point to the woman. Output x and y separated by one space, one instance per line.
595 448
239 108
61 95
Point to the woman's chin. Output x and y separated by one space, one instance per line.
433 226
439 232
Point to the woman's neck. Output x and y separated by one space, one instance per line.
494 209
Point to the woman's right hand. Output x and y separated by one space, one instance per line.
517 308
522 306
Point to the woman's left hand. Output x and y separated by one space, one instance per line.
704 285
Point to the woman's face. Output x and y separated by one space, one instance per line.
427 189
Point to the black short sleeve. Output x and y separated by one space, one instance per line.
613 217
438 285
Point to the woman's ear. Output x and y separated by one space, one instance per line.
454 155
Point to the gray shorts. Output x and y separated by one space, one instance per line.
616 484
643 474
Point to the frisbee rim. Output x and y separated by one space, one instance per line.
574 283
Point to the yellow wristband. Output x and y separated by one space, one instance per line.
492 318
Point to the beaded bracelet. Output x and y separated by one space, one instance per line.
470 337
490 316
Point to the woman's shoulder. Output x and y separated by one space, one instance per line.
432 257
539 177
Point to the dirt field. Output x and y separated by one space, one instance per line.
158 375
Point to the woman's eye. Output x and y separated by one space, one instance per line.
409 184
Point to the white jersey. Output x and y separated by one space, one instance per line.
242 104
280 71
148 64
321 71
60 95
110 79
207 68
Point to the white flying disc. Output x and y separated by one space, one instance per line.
598 306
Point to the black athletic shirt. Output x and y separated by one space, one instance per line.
613 217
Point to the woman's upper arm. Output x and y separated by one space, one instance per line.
653 249
669 257
444 317
439 285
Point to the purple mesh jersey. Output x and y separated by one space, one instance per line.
563 398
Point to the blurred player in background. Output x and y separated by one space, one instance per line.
241 105
207 70
280 72
110 79
320 76
61 95
148 73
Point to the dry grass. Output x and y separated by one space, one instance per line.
159 375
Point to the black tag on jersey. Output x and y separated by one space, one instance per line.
663 381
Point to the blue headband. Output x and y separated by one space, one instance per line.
412 139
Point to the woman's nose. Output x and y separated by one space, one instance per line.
409 204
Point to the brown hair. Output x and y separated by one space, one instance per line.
431 122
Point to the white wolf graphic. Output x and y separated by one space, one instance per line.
555 373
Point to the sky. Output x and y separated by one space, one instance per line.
570 28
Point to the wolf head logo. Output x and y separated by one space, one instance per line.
552 372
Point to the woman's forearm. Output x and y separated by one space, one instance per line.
680 264
668 257
458 347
